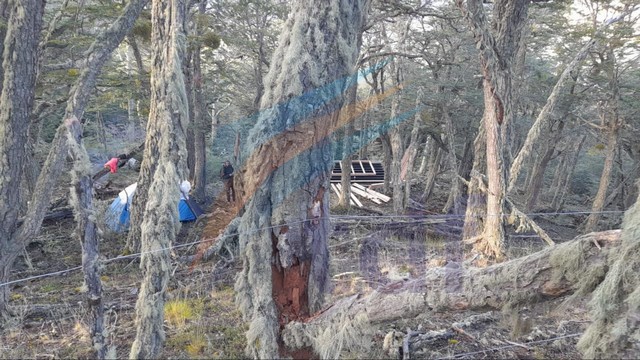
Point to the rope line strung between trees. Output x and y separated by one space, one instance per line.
345 217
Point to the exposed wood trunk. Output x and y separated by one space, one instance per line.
163 167
492 244
285 265
497 58
574 267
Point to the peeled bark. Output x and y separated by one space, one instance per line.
163 168
574 267
497 57
285 264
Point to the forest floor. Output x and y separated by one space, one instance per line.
203 322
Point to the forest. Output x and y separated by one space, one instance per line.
319 179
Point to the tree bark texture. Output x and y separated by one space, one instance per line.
284 230
19 67
575 267
476 210
163 167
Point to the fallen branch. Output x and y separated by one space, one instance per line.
526 223
574 267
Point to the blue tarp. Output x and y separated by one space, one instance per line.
117 216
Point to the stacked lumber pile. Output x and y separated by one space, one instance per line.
359 190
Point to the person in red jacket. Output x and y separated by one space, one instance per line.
112 164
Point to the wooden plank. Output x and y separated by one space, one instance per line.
366 195
382 197
338 192
353 197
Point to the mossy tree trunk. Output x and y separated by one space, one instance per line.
285 227
575 267
615 304
163 167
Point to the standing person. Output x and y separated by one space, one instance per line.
226 174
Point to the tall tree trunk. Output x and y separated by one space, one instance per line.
19 68
199 119
285 264
605 178
82 201
476 198
412 149
613 123
453 201
163 167
345 164
497 58
387 159
433 169
566 173
537 173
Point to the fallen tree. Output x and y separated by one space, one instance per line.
576 267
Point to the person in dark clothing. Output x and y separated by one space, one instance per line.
226 174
